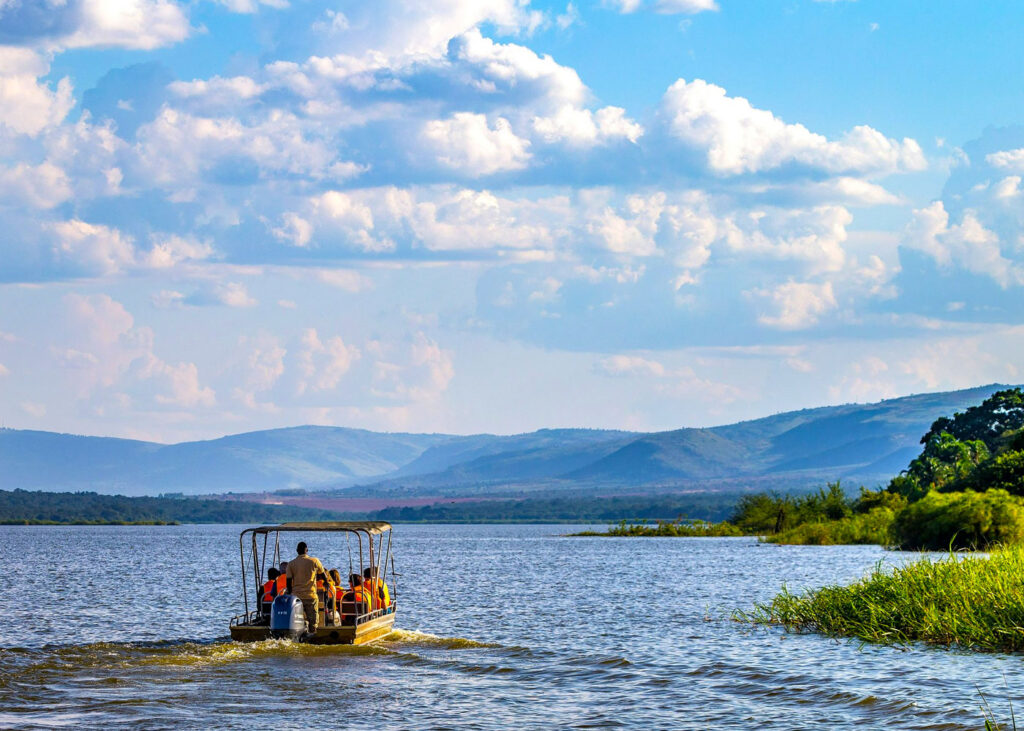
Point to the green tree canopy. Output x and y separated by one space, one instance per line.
988 421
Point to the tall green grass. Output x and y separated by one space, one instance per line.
973 602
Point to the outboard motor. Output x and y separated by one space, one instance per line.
287 620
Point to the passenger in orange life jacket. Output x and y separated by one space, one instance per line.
282 580
378 588
339 590
357 600
269 590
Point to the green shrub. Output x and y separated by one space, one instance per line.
960 520
872 527
764 513
871 499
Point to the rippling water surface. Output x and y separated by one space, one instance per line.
500 627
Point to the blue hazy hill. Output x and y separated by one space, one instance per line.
297 457
866 442
860 442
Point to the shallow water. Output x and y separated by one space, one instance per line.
501 626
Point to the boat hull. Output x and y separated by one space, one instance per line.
359 634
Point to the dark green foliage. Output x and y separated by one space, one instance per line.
1001 412
960 520
23 507
973 450
705 506
1003 472
946 459
20 507
973 602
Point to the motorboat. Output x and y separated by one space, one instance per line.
352 623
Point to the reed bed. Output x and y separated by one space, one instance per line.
972 602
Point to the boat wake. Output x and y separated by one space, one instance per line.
188 652
414 637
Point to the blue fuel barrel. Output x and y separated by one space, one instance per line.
287 618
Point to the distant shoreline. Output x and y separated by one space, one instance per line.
86 524
89 522
22 507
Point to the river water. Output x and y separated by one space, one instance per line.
501 627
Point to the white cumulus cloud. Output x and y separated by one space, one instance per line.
467 143
322 364
797 305
735 137
968 244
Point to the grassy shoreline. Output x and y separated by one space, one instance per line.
969 602
665 529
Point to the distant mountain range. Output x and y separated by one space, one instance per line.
859 442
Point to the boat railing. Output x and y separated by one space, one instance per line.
256 617
363 618
248 618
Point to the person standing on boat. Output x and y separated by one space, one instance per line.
301 576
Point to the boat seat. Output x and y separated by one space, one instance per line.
350 610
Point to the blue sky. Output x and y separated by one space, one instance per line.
500 215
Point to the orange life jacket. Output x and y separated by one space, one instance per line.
282 584
268 590
370 591
358 594
381 595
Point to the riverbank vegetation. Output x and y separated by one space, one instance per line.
972 602
753 514
21 507
668 529
710 506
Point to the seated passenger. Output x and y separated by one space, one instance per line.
338 588
269 591
378 587
282 579
356 601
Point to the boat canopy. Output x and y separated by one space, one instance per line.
373 527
